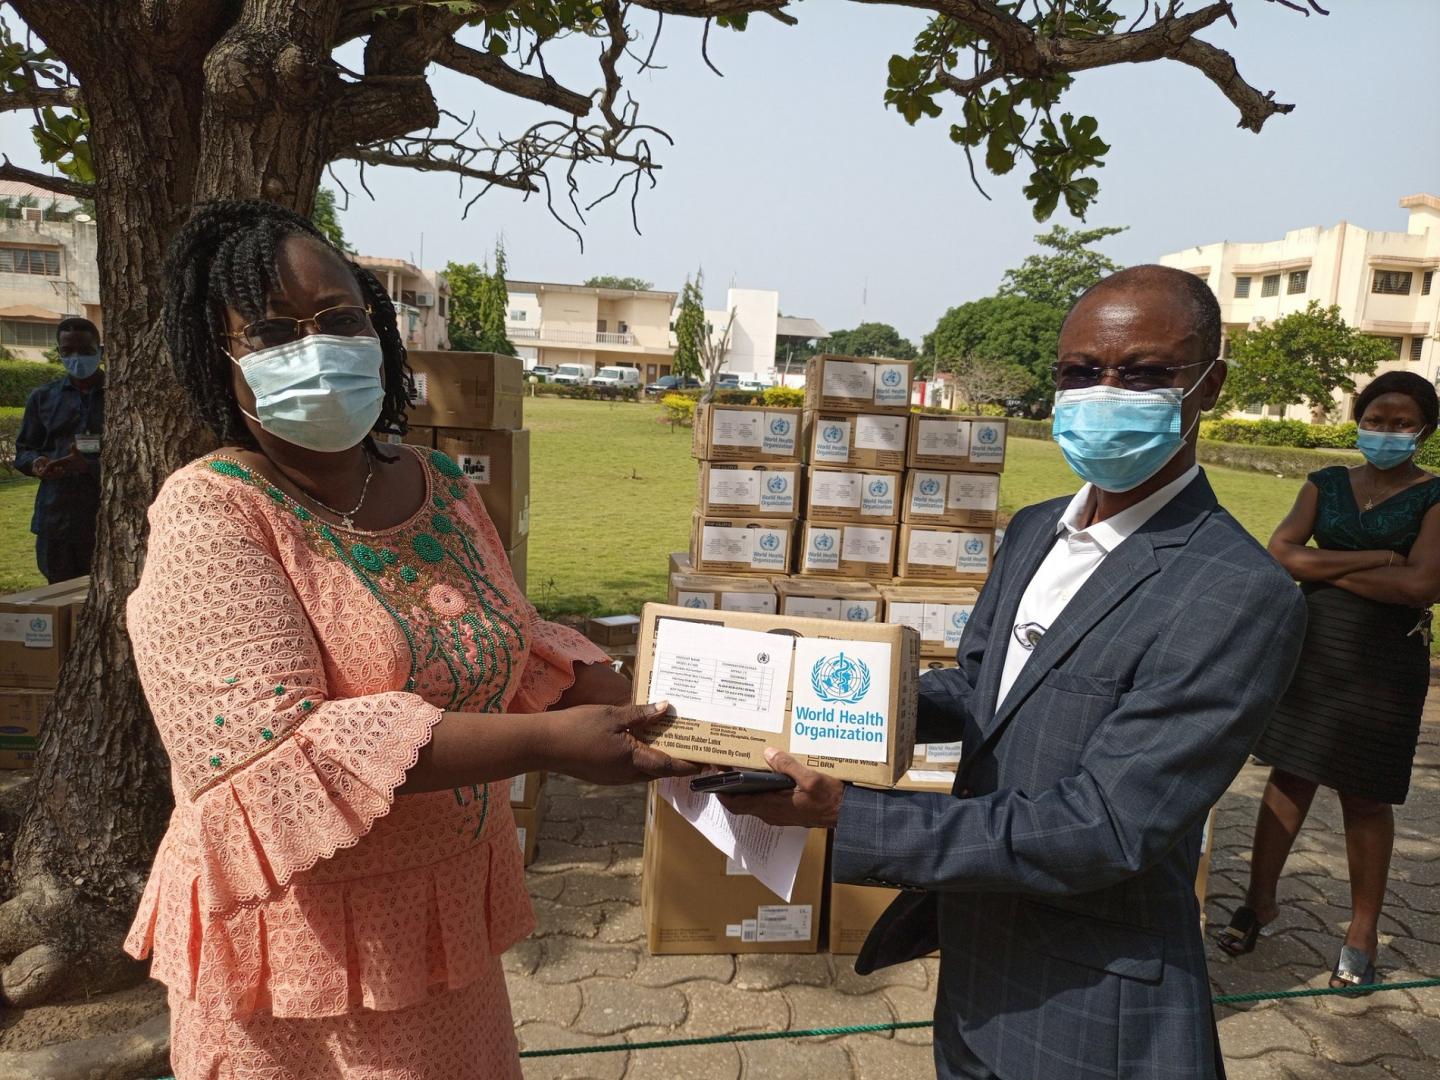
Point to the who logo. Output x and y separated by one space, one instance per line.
858 613
891 378
780 426
879 488
840 679
930 487
769 542
696 602
987 435
832 433
974 546
960 618
778 484
823 541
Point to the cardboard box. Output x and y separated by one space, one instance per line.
519 557
934 663
525 789
813 598
749 489
696 902
746 433
854 384
951 498
527 827
21 714
854 495
36 631
855 441
467 390
417 435
680 562
613 629
849 552
854 910
498 464
715 592
1202 874
841 697
939 615
740 545
962 443
953 555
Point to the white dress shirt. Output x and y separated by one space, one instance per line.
1076 555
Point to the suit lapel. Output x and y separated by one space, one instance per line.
1117 577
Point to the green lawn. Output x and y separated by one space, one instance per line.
17 545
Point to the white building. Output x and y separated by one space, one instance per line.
48 267
421 297
551 323
759 335
1383 282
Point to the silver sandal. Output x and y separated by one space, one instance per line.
1356 969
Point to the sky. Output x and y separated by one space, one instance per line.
789 173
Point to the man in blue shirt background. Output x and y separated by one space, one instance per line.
59 442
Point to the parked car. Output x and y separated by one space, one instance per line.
573 374
669 383
614 379
754 386
541 373
727 380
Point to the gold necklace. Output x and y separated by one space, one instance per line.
1370 501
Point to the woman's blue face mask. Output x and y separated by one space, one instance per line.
1387 449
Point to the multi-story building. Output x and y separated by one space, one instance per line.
48 267
554 324
422 300
761 339
1384 283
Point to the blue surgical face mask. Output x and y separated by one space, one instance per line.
321 392
1117 439
82 365
1386 449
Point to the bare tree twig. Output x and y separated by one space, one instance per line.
493 71
429 163
36 97
63 185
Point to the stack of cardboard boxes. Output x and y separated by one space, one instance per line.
36 629
527 803
470 406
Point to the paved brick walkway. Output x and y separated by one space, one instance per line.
585 977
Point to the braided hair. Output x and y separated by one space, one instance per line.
226 256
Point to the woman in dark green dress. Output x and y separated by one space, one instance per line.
1351 718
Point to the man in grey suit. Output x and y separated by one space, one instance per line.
1121 660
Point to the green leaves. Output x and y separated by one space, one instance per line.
64 141
1058 279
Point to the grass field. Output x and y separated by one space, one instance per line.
613 488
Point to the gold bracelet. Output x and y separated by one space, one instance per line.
1391 563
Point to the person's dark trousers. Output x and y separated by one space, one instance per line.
63 557
953 1059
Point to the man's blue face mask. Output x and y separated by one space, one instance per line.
82 365
1117 439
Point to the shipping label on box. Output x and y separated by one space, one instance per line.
861 385
711 592
939 615
745 489
951 498
856 441
525 789
847 551
818 599
944 554
987 443
852 495
746 433
740 546
731 679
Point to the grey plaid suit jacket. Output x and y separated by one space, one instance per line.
1057 879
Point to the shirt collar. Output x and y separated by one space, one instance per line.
1113 531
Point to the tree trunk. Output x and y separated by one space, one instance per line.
221 111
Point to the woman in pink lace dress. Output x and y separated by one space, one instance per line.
344 674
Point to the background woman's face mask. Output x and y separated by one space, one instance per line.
321 392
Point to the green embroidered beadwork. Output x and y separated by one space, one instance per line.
428 548
300 512
267 734
437 502
389 557
276 494
442 524
279 689
409 575
219 721
306 705
215 761
232 680
368 557
456 491
230 468
445 465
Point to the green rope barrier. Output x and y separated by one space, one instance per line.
903 1025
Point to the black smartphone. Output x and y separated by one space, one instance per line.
741 782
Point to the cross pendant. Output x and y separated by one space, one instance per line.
346 523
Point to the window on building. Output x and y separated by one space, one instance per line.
27 335
443 306
29 261
623 328
1392 282
1397 345
1299 280
1242 287
1270 285
517 314
1426 282
600 325
1417 346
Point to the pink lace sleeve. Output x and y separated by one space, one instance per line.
555 650
280 774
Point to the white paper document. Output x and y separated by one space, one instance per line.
770 852
722 675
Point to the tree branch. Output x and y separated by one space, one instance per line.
37 97
64 186
380 107
427 163
492 71
1219 67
